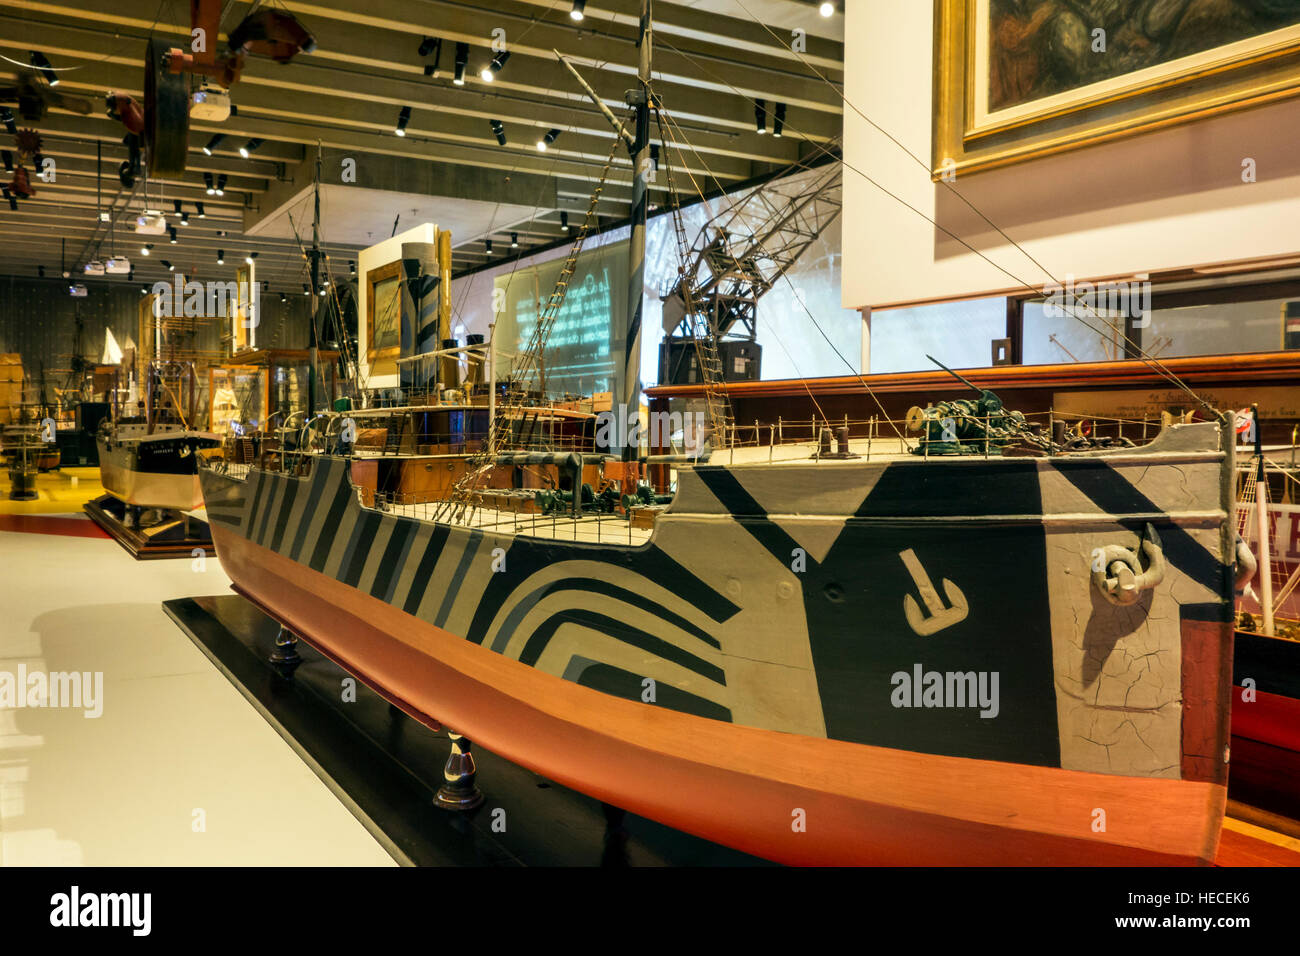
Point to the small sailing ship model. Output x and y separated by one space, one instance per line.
997 651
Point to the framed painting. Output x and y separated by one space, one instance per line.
1019 79
383 318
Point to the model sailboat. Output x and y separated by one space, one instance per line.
992 652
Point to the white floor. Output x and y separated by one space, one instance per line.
179 769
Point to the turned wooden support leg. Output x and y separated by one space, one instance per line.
459 791
285 656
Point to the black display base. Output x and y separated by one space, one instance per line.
387 767
168 534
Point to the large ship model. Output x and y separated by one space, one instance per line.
982 644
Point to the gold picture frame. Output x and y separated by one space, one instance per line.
383 318
970 135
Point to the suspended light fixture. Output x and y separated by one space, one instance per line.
250 257
185 219
499 130
221 185
305 289
221 257
176 206
760 116
144 250
487 246
283 297
514 240
207 182
462 61
166 265
213 143
428 44
778 121
547 140
250 147
171 232
564 221
403 118
576 13
7 117
827 9
489 72
199 206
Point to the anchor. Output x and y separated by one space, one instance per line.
940 616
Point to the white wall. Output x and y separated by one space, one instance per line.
381 254
1162 200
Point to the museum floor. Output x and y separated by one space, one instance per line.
164 776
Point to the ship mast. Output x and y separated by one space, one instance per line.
639 99
313 354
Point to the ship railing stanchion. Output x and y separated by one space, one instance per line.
459 790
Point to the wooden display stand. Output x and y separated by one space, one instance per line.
172 535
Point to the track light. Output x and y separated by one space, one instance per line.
305 289
13 200
427 45
144 250
39 61
166 265
171 232
462 61
7 117
199 207
250 147
207 182
499 130
176 206
403 118
778 121
40 271
489 72
221 257
250 257
487 246
564 221
221 185
213 143
576 13
283 297
760 116
514 240
827 9
547 140
352 267
144 289
8 158
185 219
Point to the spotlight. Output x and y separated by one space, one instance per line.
352 267
487 246
305 290
427 45
564 221
144 289
166 265
13 200
266 286
827 9
171 231
207 182
176 205
283 297
403 118
547 140
213 143
462 60
760 116
514 240
199 207
39 61
7 117
144 250
577 12
8 158
499 130
221 185
250 257
185 219
778 121
250 147
489 72
221 257
40 271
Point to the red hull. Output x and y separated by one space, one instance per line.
740 786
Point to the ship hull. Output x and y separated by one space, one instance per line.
157 472
786 797
744 674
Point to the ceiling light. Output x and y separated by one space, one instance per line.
221 185
490 71
564 221
487 246
427 45
199 207
547 140
352 267
514 240
39 61
462 60
577 11
221 257
305 290
403 118
778 121
498 130
207 182
176 205
760 116
213 143
169 267
250 147
250 257
827 9
144 250
13 200
144 289
8 160
283 297
171 231
185 219
7 117
40 271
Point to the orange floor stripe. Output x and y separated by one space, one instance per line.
44 524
